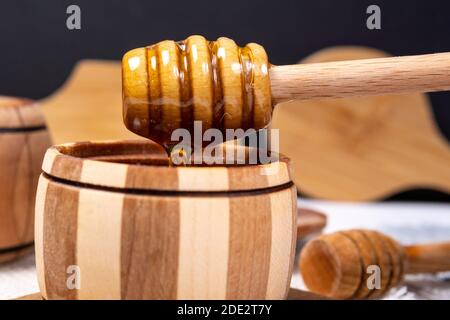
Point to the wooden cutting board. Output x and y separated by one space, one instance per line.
362 148
89 104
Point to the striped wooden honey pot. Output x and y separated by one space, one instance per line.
114 221
23 141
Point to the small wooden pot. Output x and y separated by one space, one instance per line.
23 141
115 226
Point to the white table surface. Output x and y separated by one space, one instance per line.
408 222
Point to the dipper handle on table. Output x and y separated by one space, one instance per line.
339 265
428 258
170 85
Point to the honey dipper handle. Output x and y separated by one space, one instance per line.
428 258
421 73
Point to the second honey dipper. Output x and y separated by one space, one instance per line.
170 85
335 265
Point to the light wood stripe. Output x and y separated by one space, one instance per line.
60 221
49 158
282 245
99 243
203 256
39 233
250 243
149 253
276 173
110 174
198 179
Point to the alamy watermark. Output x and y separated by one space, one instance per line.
374 280
373 21
73 281
73 21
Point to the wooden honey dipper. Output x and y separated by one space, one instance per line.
335 265
170 85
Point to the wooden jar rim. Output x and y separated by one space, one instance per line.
20 114
103 165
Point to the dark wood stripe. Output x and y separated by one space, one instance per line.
364 248
23 129
154 109
60 238
250 245
245 59
383 261
67 167
218 100
395 266
398 260
239 177
186 105
150 245
136 177
27 232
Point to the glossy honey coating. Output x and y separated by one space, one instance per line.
170 85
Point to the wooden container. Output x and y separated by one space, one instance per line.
23 141
117 225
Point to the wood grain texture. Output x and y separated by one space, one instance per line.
204 249
59 238
336 265
362 148
23 141
88 106
150 243
99 234
249 247
399 75
331 271
150 248
283 242
126 171
310 222
433 257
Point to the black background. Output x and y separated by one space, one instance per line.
38 51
